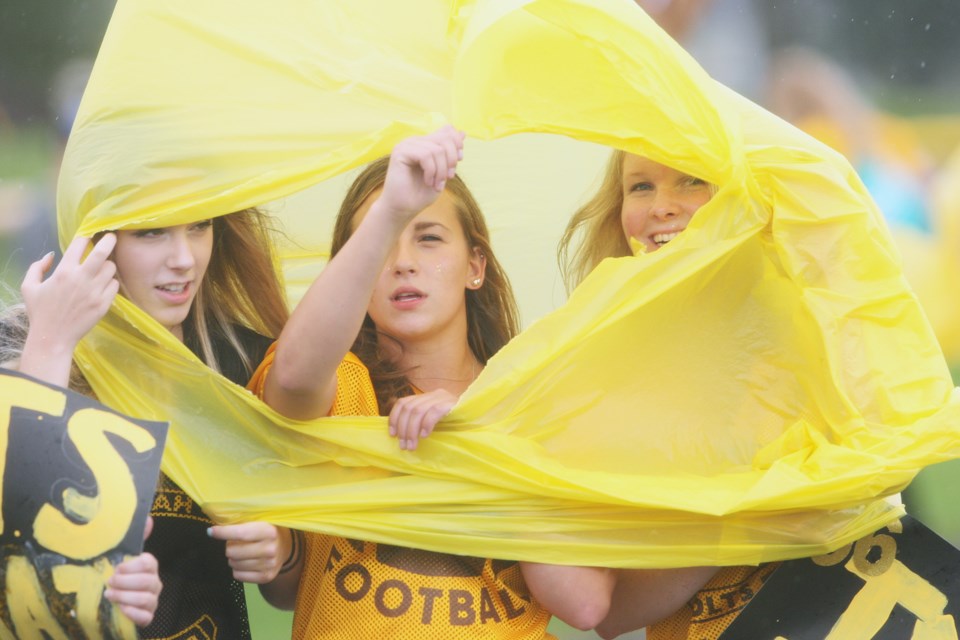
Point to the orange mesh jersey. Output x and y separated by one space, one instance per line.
351 589
357 589
715 606
355 396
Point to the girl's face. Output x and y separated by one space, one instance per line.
421 293
161 269
658 202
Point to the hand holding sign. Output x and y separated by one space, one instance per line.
135 585
76 484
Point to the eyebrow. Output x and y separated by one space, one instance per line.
426 224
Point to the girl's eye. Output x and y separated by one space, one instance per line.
202 225
696 182
430 238
148 233
641 186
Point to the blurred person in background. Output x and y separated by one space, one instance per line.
726 37
819 96
28 213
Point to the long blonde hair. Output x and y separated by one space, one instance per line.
492 315
594 232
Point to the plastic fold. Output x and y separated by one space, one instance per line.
746 394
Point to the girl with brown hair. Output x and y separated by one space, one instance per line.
213 285
413 288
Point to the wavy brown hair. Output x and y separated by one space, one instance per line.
492 315
240 288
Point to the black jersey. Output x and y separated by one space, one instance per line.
200 598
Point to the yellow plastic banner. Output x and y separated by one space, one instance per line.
743 395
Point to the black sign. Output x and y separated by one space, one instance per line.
901 583
78 483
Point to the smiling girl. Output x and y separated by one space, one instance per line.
642 205
160 270
212 284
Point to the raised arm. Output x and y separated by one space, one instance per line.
302 381
65 306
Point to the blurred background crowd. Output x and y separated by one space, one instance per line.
877 80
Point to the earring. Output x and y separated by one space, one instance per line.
476 282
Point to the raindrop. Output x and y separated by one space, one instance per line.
926 27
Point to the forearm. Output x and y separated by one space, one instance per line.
281 592
580 596
646 596
47 358
325 323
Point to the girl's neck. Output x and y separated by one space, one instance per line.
451 367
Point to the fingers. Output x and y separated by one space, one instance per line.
130 572
432 161
418 172
148 529
104 246
415 417
435 156
244 532
444 152
36 271
97 271
97 266
75 251
253 550
452 147
135 588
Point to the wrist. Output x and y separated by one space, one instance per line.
47 358
296 550
389 215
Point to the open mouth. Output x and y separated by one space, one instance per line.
661 239
174 288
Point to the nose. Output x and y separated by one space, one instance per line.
181 252
403 261
664 207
